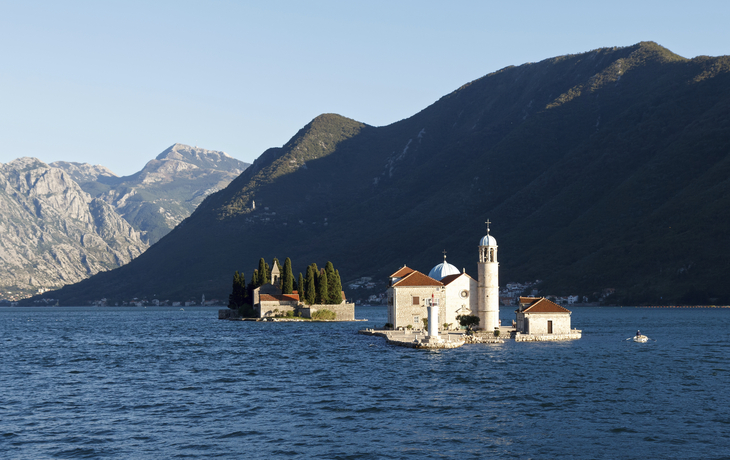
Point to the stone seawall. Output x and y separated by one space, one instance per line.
343 311
573 335
416 339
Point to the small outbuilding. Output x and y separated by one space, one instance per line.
539 316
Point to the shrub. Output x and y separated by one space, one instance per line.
409 327
324 314
496 332
468 321
388 326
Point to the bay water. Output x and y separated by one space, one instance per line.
164 382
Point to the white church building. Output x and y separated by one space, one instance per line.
455 293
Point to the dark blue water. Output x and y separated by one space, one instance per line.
166 383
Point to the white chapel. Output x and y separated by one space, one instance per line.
410 292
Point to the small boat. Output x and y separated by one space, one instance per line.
641 338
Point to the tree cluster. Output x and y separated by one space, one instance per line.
319 286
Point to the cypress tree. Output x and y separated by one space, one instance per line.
255 279
238 292
263 273
322 288
287 278
242 287
336 290
300 286
330 270
311 288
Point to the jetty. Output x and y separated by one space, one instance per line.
419 338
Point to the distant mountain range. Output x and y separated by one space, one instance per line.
63 222
164 192
606 169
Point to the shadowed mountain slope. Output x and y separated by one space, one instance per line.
602 169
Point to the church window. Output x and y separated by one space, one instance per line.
416 319
464 293
416 300
550 327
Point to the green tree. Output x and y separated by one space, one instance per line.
310 291
322 288
330 271
335 294
300 286
263 273
237 297
287 278
255 279
468 321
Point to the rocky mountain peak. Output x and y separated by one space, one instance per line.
202 158
53 233
83 172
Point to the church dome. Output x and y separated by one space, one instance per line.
443 270
488 240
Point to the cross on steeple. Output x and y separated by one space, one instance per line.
444 255
487 222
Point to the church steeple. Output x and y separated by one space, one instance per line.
488 287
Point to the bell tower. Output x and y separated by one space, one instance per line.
488 283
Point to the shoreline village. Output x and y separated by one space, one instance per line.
448 308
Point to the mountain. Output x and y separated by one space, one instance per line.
606 169
165 191
53 233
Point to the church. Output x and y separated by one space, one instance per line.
455 293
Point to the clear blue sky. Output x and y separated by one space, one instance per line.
117 82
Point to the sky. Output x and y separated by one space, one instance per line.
117 82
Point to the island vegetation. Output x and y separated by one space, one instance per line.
318 286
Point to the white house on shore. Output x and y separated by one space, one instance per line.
540 319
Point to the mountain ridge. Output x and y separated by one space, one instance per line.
166 190
580 161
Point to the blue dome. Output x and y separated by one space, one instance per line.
488 240
443 270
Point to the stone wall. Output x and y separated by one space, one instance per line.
273 308
572 335
343 311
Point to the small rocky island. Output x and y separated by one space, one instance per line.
271 295
450 296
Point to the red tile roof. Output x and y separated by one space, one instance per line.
416 278
545 306
279 298
403 271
